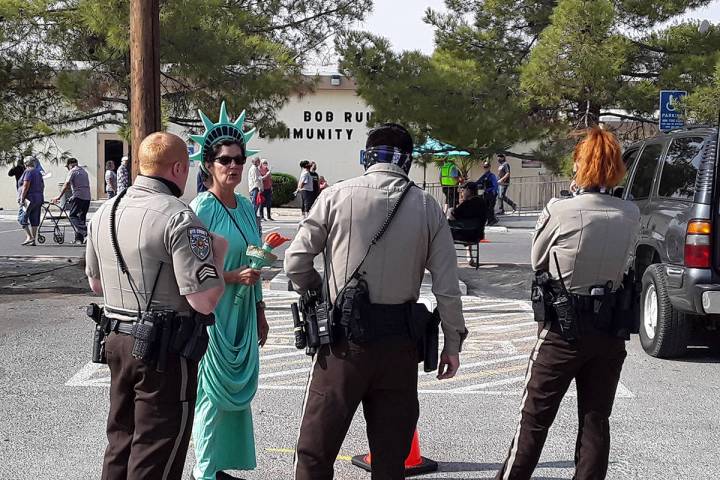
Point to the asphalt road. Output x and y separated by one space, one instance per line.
53 403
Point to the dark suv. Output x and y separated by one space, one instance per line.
672 178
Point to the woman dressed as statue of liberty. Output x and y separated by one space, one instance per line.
228 373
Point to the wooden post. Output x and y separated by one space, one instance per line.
144 73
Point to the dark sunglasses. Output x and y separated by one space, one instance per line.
225 160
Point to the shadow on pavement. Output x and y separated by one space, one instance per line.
494 467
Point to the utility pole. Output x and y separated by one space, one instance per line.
144 73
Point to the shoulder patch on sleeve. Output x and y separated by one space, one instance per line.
542 219
206 272
199 242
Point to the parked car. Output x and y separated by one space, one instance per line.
672 178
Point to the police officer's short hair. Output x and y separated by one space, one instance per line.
160 150
390 135
71 161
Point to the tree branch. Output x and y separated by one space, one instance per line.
88 116
297 23
628 117
84 129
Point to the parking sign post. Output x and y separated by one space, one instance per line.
670 114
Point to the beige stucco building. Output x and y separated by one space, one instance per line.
327 126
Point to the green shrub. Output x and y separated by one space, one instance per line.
283 187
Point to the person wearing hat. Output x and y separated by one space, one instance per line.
123 174
78 184
31 188
488 182
378 365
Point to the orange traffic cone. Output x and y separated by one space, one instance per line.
415 463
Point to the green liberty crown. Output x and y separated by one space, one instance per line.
217 132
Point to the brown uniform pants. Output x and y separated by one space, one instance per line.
151 415
594 361
381 375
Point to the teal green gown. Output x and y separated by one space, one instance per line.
228 373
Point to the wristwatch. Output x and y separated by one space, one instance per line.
260 304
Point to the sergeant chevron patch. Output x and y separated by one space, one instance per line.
205 272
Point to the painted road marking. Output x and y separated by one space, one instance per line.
495 355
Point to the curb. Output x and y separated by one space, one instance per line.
68 258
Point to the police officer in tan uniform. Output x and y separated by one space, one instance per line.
159 268
582 298
379 371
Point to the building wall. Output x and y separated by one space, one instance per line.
327 126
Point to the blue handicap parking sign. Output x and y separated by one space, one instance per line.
670 112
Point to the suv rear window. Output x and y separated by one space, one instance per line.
645 171
680 169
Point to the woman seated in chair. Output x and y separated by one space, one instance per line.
467 220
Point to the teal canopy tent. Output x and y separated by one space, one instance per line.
438 149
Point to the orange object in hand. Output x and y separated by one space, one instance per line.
274 240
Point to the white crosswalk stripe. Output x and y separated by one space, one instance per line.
493 362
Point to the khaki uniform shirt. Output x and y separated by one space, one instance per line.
154 228
345 218
593 235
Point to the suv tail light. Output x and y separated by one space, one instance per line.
697 244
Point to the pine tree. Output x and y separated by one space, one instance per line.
64 65
510 70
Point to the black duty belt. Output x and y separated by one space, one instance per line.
389 320
121 326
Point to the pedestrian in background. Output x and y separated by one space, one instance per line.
17 171
489 184
467 220
315 181
174 278
378 369
228 375
201 182
449 180
78 184
123 174
322 183
30 197
266 174
504 183
583 244
305 187
110 179
255 185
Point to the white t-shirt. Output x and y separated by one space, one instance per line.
110 181
254 178
306 181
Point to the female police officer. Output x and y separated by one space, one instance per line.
581 245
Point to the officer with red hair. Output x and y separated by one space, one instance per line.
582 299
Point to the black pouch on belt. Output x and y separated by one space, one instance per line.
429 344
195 347
539 295
353 311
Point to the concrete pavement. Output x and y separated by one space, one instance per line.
53 402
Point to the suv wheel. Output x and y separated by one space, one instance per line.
664 332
